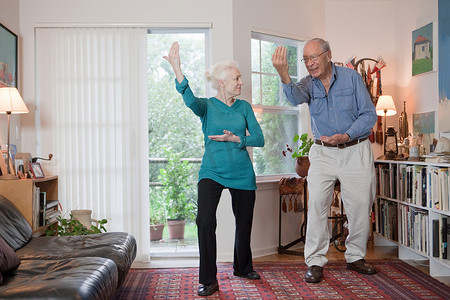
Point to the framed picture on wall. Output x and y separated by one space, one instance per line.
422 50
8 57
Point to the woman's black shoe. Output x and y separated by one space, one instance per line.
251 275
208 289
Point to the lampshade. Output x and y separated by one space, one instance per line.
11 102
385 106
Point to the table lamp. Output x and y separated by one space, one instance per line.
10 103
385 107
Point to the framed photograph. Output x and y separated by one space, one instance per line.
8 57
12 169
25 158
36 169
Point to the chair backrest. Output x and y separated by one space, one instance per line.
14 228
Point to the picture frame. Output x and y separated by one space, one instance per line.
422 50
36 169
8 57
26 160
3 168
12 169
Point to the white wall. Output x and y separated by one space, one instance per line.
421 91
373 28
366 28
10 19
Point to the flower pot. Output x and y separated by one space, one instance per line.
176 228
84 216
302 166
156 232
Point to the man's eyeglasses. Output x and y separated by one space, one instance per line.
313 58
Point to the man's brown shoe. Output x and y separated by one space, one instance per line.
362 267
314 274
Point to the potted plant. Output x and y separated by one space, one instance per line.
73 226
157 219
174 178
300 153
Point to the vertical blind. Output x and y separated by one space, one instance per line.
91 114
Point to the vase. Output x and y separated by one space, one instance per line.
302 166
84 217
176 228
156 232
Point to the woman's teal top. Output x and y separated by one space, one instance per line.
227 163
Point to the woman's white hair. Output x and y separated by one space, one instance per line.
217 72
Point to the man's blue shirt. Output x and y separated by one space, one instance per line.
347 108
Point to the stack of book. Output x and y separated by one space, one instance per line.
386 214
414 228
441 234
48 210
439 188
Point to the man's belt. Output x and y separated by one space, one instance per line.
340 146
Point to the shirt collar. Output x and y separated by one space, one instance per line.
333 73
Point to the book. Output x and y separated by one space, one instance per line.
444 238
51 203
424 186
36 207
52 214
42 207
409 184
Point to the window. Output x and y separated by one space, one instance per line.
172 125
278 119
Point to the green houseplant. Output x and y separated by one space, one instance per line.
300 153
157 219
174 179
72 226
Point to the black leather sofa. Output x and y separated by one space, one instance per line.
60 267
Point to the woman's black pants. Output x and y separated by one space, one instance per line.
243 202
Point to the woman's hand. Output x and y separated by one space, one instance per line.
280 63
174 59
227 136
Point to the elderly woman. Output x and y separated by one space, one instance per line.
226 164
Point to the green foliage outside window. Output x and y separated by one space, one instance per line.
171 123
279 122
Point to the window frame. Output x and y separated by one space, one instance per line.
301 111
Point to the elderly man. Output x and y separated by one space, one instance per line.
342 115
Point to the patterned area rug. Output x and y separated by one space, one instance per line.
285 280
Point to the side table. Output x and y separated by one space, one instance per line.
293 191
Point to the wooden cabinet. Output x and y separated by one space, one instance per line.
411 208
25 194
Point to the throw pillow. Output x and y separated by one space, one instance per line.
8 259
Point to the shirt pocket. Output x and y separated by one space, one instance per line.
318 104
345 99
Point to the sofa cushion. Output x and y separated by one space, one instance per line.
8 259
120 247
74 278
14 228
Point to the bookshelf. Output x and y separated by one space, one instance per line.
411 208
36 199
